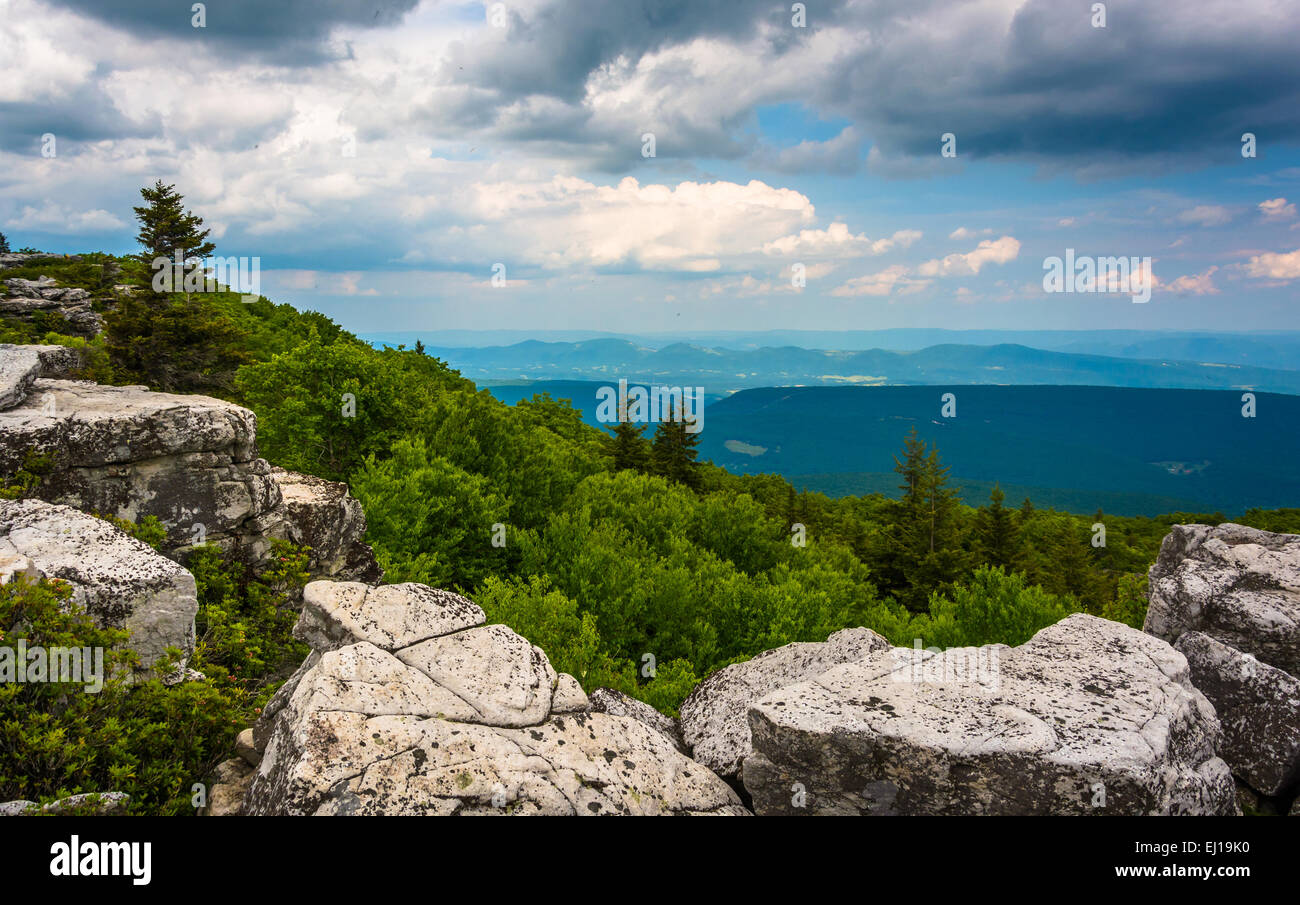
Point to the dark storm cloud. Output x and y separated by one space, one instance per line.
286 31
553 50
1184 78
1160 81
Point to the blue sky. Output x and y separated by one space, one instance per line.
383 158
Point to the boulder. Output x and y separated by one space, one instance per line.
386 719
190 461
27 299
247 749
229 788
19 368
321 515
1258 707
1087 717
713 717
1236 584
125 451
121 582
615 703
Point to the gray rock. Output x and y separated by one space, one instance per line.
472 721
125 451
569 696
19 368
120 581
713 718
391 617
321 515
615 703
1089 716
247 749
1258 706
1234 583
95 804
25 299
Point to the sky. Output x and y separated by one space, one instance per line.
678 165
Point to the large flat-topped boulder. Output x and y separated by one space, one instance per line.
714 723
1087 717
471 721
1258 706
188 460
1234 583
121 582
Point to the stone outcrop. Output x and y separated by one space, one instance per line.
191 461
1228 597
322 515
1236 584
1088 716
27 300
615 703
714 723
1258 706
410 705
121 582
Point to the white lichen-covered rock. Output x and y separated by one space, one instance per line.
121 582
615 703
713 718
125 451
1258 706
1237 584
87 804
393 616
190 461
19 368
383 719
1089 716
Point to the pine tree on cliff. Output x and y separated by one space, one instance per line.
166 227
171 343
629 447
4 244
673 452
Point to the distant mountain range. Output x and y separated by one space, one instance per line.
722 371
1280 349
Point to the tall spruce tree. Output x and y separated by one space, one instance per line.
923 549
166 227
997 539
629 447
673 451
4 244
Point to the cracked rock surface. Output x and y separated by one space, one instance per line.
191 461
1088 716
121 582
1236 584
713 721
408 704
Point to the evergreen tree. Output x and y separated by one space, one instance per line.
920 550
997 540
1026 511
629 447
167 228
673 451
4 244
